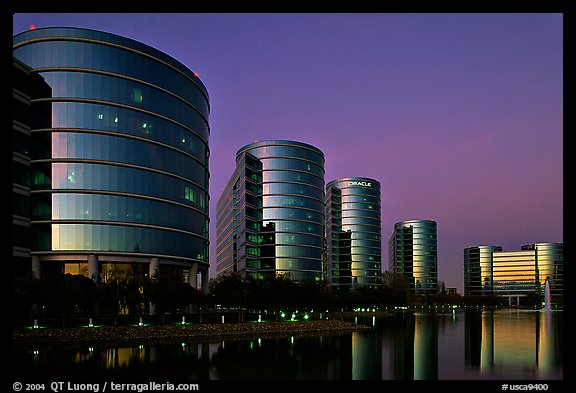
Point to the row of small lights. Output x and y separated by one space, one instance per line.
292 316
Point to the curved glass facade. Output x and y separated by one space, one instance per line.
413 252
354 250
270 217
129 153
550 263
478 275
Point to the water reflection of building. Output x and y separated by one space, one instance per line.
513 341
315 357
366 358
403 350
184 360
122 357
425 347
548 349
414 349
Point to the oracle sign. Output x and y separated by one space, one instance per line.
360 183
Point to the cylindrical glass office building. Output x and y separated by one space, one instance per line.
478 275
129 158
413 252
291 232
550 263
354 247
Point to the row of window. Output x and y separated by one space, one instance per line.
117 238
356 265
293 226
112 89
415 243
37 147
131 122
410 230
269 163
355 258
21 143
421 275
358 193
420 261
290 176
358 242
285 239
355 280
347 251
357 275
21 204
304 275
292 189
279 213
21 237
355 220
291 201
360 228
89 55
84 176
408 239
279 251
72 145
363 207
286 151
253 176
86 56
357 235
351 198
297 264
126 209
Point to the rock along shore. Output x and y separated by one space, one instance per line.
178 332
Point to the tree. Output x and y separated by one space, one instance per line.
228 290
441 287
168 292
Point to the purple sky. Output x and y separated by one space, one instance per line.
459 116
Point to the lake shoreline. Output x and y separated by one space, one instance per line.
170 333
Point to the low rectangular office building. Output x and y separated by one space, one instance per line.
514 273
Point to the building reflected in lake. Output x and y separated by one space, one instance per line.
476 344
514 342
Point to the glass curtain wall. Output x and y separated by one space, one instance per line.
129 157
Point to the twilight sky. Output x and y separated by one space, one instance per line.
459 116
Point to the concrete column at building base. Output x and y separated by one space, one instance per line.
204 281
154 267
93 270
193 278
152 270
36 269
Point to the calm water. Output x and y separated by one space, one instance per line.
503 344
